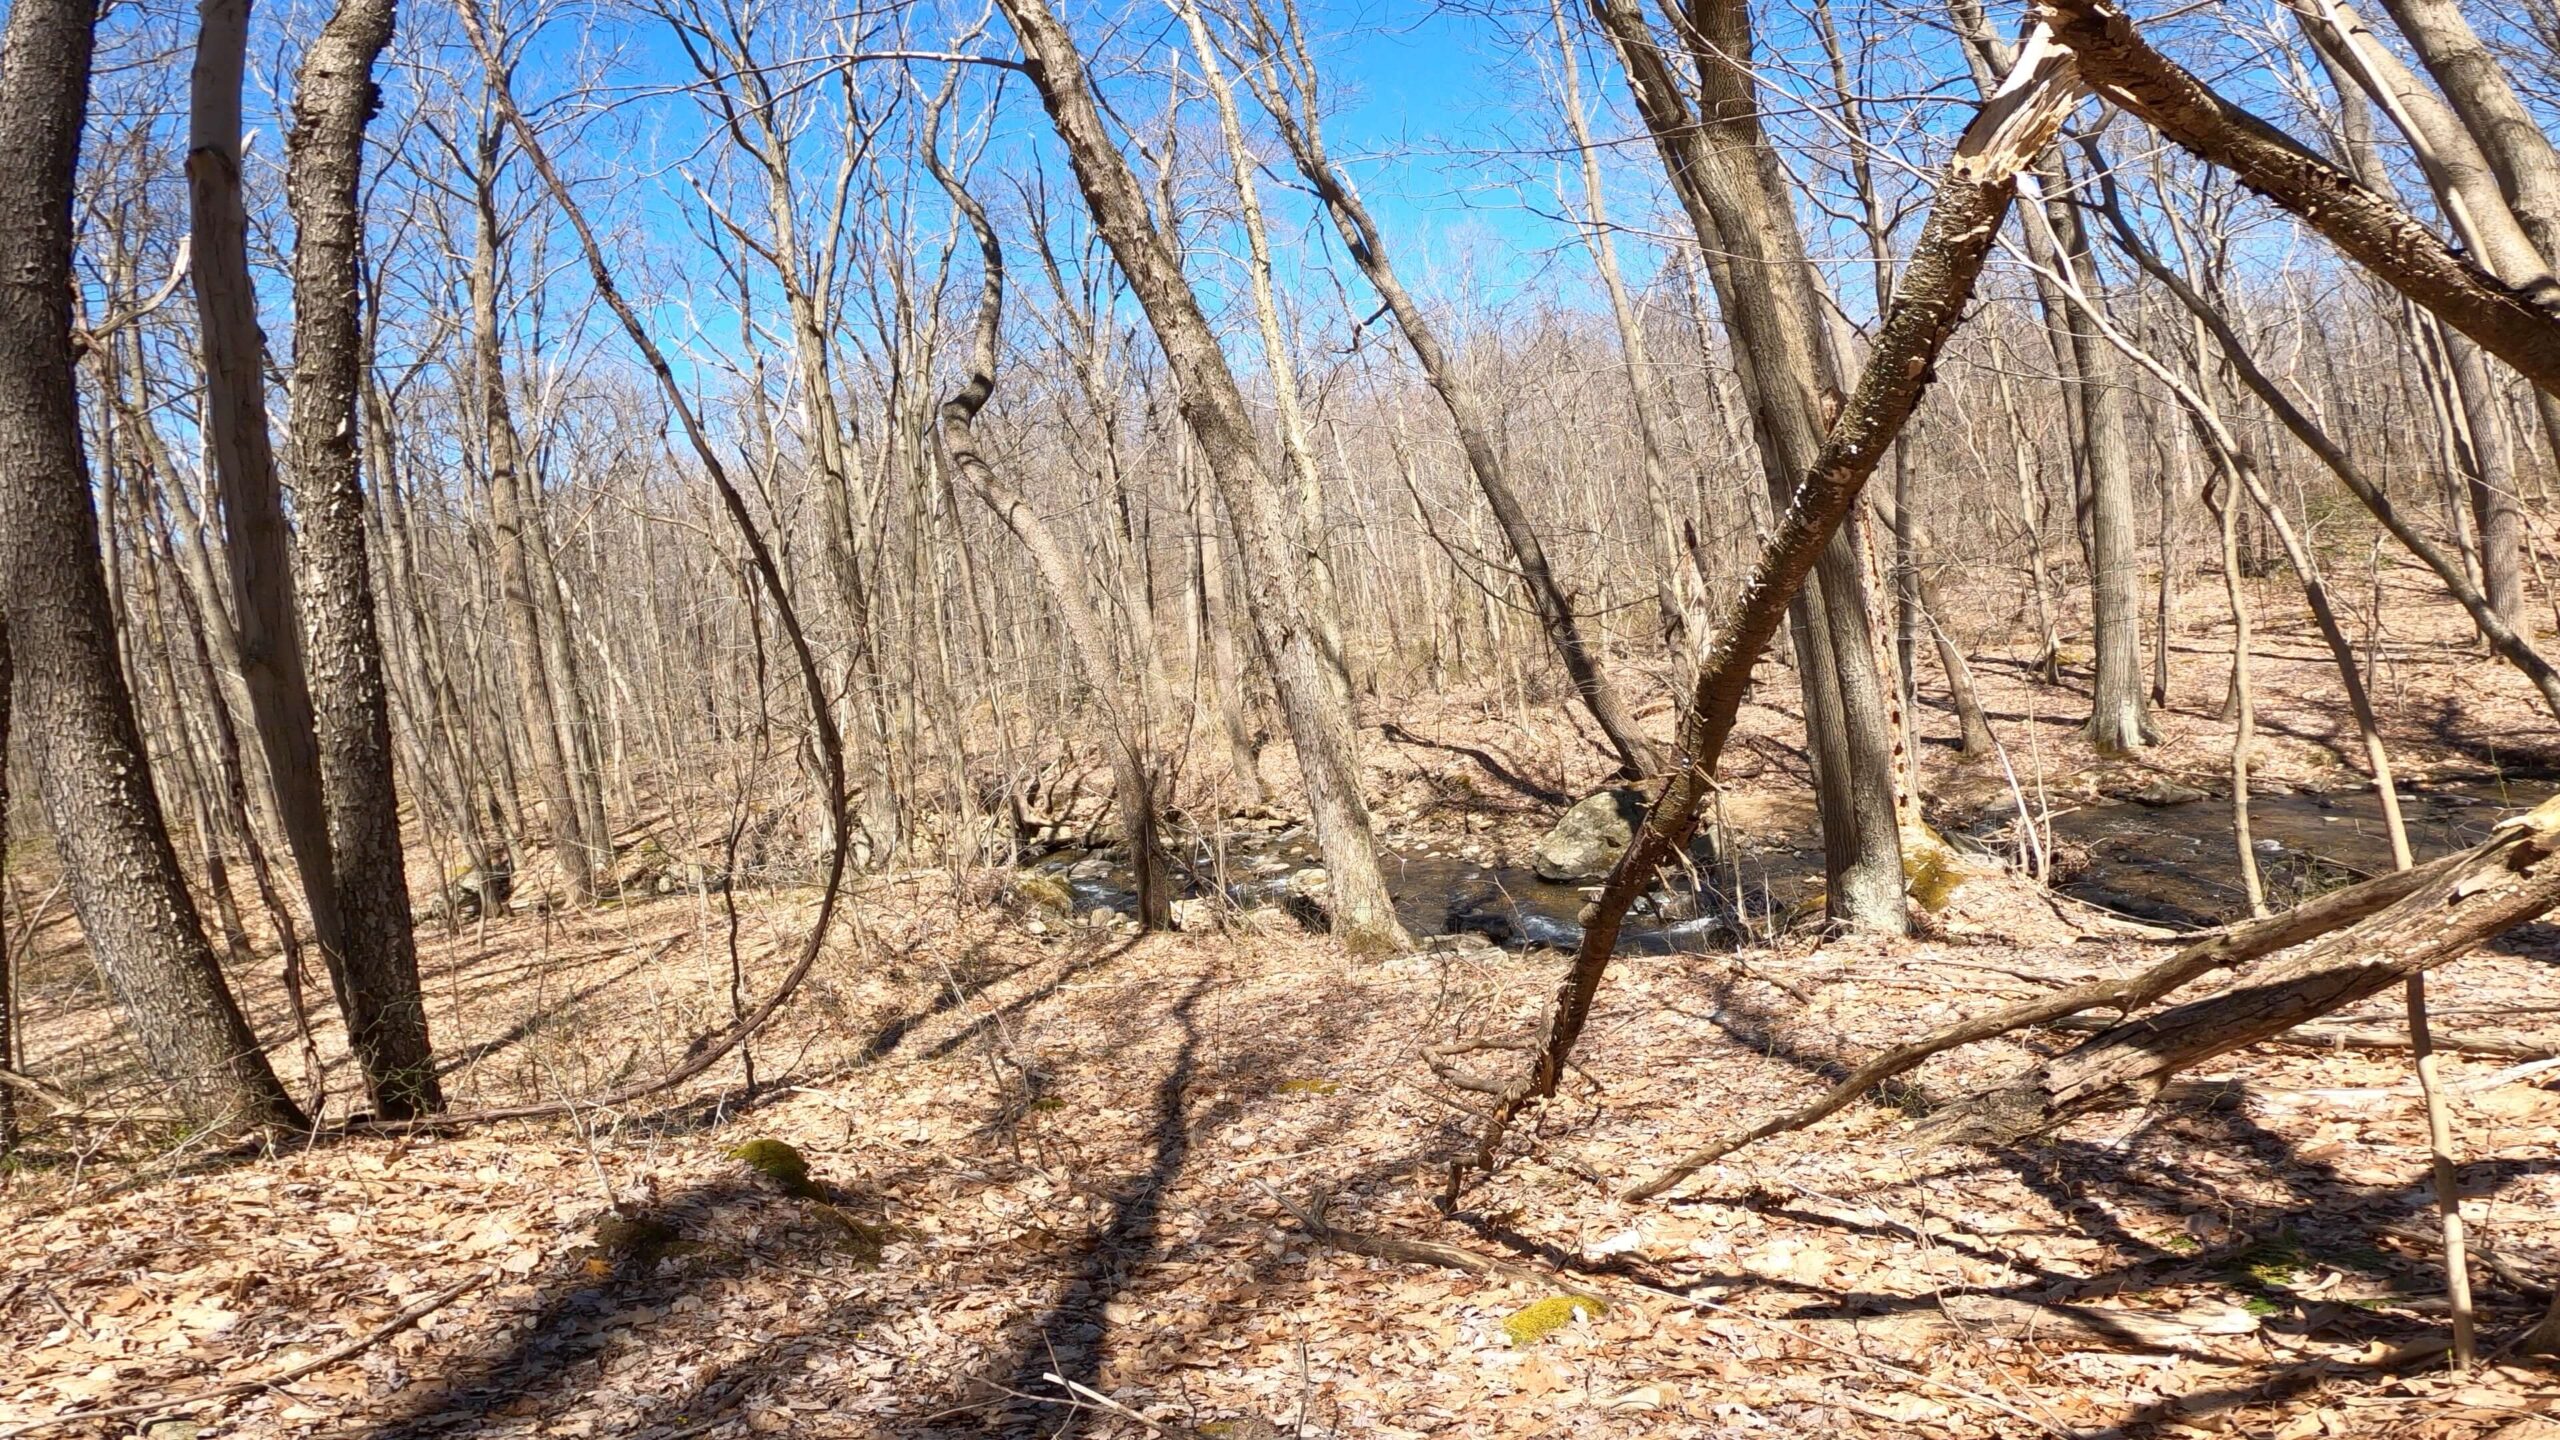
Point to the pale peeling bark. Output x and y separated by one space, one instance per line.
2516 326
1972 200
2453 907
77 719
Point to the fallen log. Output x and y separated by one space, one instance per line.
2483 893
2224 949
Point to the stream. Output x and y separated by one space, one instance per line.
2168 864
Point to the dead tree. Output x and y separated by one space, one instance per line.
2519 327
1973 198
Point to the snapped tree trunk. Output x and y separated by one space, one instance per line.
2518 327
2015 123
132 899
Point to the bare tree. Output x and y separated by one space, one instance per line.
1312 699
133 902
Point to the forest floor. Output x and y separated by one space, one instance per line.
1079 1156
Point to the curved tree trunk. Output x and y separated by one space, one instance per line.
1133 774
134 907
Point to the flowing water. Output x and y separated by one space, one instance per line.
2173 865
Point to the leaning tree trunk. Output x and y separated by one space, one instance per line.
2517 326
2505 883
257 541
132 899
1973 197
1722 168
510 516
1302 133
1312 701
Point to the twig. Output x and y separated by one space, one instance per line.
1092 1396
322 1361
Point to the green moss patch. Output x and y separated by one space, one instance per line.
1539 1319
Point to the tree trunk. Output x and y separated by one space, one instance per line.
1721 166
1312 701
508 516
2119 715
1292 104
386 1018
132 899
1132 765
258 544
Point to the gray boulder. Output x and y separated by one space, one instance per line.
1587 841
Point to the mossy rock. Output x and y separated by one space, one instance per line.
779 1162
1039 890
1539 1319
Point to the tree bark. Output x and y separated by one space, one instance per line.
334 97
2520 328
265 622
1133 771
1722 168
1312 701
134 907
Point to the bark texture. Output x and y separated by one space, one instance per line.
95 779
377 978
